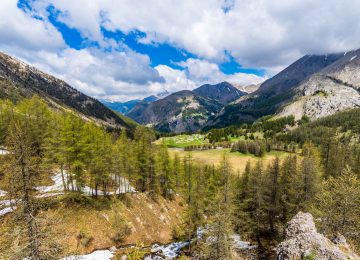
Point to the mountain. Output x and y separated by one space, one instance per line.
183 111
121 107
333 89
223 92
274 92
18 80
125 107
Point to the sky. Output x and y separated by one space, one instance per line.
125 49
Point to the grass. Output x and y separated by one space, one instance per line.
237 160
181 141
92 223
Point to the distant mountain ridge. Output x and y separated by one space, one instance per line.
18 79
125 107
274 92
223 92
185 111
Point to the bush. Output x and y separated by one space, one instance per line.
84 239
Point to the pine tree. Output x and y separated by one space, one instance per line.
164 172
176 168
289 188
219 242
272 190
310 175
338 205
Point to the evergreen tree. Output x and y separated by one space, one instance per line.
272 193
310 175
289 188
338 205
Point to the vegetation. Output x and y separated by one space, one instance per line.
320 175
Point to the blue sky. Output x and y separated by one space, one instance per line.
125 49
160 53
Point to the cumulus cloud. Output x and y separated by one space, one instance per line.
258 33
120 74
201 71
20 29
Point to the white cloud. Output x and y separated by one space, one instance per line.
96 73
19 29
258 33
202 71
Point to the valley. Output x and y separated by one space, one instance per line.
211 173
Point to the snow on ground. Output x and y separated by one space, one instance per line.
59 186
5 202
169 251
2 151
238 244
96 255
6 210
2 193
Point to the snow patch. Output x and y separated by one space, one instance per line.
353 57
96 255
58 186
3 152
6 210
239 244
170 251
2 193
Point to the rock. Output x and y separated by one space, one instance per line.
302 241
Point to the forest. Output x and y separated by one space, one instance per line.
321 176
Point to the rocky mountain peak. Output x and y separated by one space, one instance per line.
302 241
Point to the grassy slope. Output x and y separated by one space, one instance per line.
237 160
148 220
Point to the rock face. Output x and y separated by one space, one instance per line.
302 241
335 88
274 92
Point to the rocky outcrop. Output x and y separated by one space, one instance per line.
333 89
302 241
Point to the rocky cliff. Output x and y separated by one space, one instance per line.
335 88
302 241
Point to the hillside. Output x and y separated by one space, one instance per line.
183 111
273 93
333 89
18 80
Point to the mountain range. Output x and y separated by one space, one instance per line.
185 111
125 107
314 85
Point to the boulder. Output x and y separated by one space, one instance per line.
302 241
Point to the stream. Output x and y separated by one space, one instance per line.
157 252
